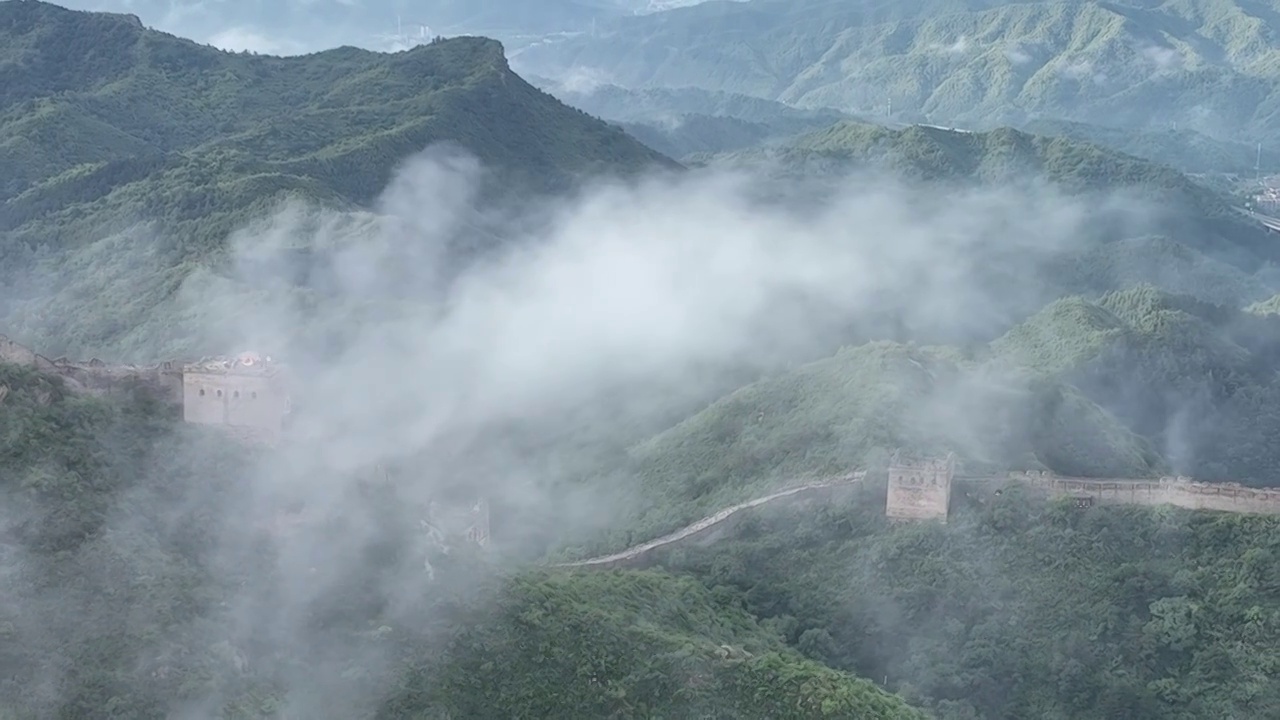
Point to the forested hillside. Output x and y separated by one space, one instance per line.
126 136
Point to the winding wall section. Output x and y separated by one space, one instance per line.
1177 491
712 522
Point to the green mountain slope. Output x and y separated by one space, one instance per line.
1197 379
1162 263
124 125
1208 65
642 644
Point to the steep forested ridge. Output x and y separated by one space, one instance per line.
124 136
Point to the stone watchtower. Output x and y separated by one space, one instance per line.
247 393
919 489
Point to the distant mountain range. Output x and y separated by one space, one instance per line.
1211 66
684 121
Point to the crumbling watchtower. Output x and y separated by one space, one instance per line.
919 489
246 392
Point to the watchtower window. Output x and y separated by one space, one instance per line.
253 395
201 392
236 394
219 393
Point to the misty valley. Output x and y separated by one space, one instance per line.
884 361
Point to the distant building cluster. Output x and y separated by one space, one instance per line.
1268 199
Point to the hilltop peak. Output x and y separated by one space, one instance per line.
14 10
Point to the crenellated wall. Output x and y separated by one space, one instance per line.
1178 491
97 377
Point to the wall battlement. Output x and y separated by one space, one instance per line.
1179 491
97 377
921 490
246 393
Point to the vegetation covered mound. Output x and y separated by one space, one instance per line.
1196 379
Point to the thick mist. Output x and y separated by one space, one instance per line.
626 301
520 374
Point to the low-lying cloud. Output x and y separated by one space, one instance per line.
638 283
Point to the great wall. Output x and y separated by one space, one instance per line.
921 490
249 396
713 522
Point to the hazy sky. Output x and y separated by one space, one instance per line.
285 27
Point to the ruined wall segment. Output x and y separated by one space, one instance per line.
919 489
97 377
15 353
